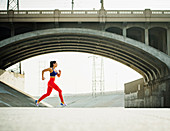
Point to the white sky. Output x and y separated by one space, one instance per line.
90 4
76 73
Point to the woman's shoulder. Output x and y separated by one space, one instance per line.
50 69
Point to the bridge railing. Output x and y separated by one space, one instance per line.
72 13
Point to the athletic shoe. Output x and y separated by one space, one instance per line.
63 104
36 103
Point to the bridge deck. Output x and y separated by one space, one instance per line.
146 15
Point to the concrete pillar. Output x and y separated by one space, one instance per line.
102 16
147 24
12 29
56 24
124 29
102 26
168 41
146 37
147 14
167 94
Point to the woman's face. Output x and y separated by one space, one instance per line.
55 65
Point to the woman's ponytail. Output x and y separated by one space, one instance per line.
51 63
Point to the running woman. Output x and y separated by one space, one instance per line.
51 84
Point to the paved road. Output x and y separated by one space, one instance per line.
83 119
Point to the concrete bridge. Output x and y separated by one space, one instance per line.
151 27
138 39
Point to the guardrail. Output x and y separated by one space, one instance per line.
86 12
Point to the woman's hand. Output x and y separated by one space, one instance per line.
43 78
59 74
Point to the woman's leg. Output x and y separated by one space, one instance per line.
59 91
49 90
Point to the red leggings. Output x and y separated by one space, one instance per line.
52 85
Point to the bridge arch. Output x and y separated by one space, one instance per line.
112 25
136 33
115 30
142 26
158 38
149 62
162 25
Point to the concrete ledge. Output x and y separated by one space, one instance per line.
12 79
11 95
16 81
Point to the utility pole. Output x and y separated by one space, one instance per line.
13 5
94 84
93 75
102 76
72 4
97 75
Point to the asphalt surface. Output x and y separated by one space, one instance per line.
83 119
84 112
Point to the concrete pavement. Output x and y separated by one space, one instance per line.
83 119
10 97
108 99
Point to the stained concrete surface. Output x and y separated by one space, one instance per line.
83 119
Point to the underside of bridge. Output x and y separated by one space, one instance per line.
152 64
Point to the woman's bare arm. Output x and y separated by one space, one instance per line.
48 69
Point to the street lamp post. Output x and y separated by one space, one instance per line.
72 4
102 4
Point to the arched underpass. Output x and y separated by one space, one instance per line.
152 64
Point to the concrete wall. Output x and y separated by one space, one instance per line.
134 93
151 95
157 94
12 79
